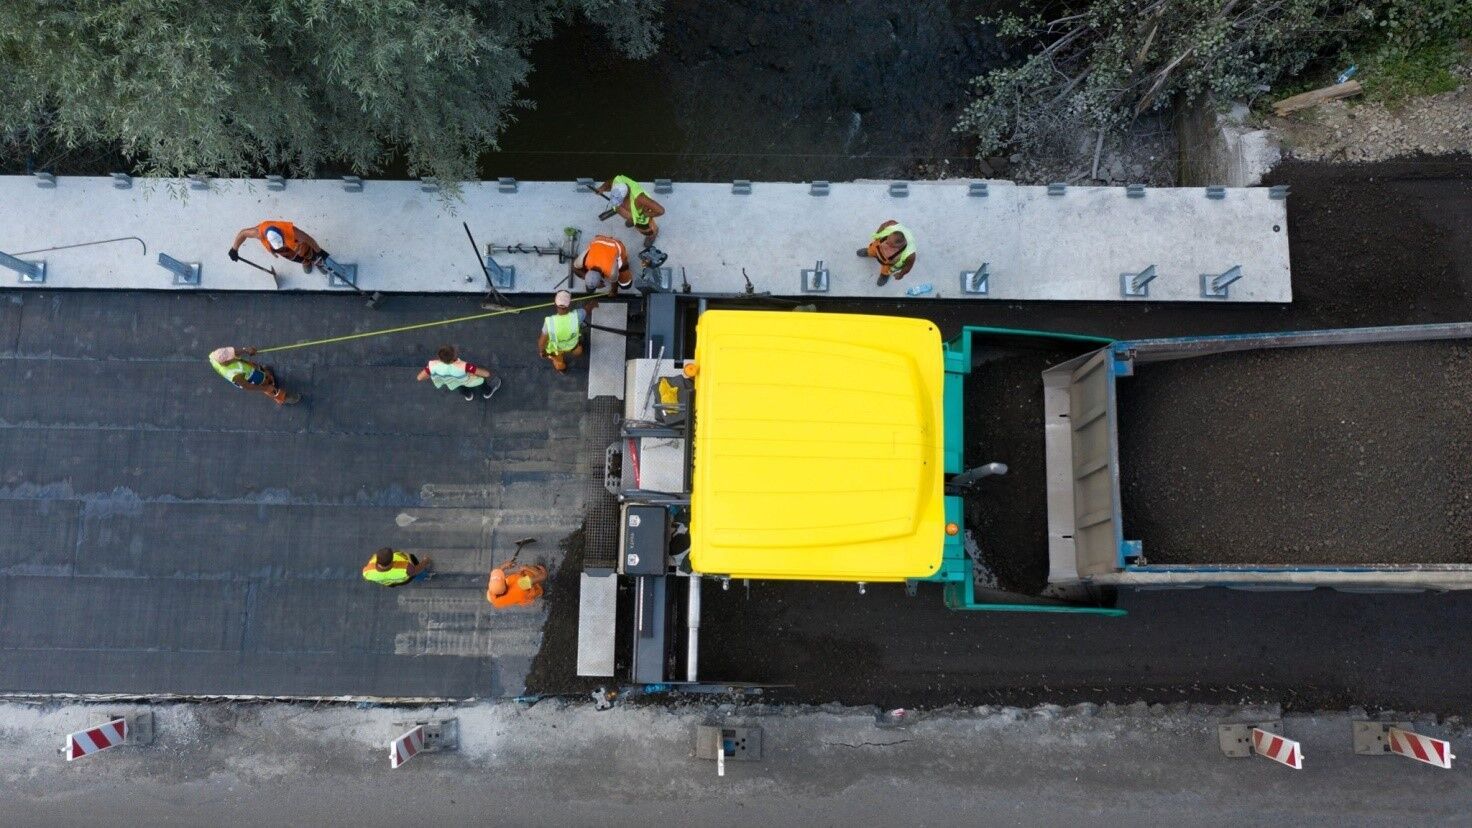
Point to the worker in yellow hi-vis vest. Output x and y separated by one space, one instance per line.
231 364
391 568
894 246
562 332
634 204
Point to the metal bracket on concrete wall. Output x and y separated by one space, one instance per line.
185 273
429 185
818 188
976 189
741 187
1134 191
503 278
352 184
506 184
1215 285
1236 739
583 183
1373 738
140 727
1057 188
815 279
45 180
663 186
976 282
31 273
1216 191
199 181
342 275
1278 191
122 181
899 189
740 744
276 183
439 734
1137 284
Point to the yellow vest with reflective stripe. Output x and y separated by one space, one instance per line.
396 574
636 215
907 252
562 332
232 369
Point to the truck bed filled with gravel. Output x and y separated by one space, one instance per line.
1352 454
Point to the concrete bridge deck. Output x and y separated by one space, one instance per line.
402 238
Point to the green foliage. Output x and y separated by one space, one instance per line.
1412 48
246 86
1099 64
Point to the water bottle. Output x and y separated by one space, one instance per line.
920 290
1347 74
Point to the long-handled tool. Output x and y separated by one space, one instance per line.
490 283
275 280
610 212
328 265
519 544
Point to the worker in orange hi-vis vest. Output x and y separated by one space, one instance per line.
515 587
281 238
605 264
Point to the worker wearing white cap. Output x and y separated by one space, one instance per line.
562 332
281 238
247 375
634 204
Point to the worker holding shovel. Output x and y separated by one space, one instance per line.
283 239
512 586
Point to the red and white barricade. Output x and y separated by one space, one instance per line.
96 739
1272 746
1411 745
406 747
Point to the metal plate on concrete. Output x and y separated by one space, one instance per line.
607 351
1236 739
1372 738
1066 247
597 619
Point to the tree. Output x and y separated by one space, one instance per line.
248 86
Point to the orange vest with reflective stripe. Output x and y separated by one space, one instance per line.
288 235
606 254
520 590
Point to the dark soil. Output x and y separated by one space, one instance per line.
1343 455
1008 516
555 669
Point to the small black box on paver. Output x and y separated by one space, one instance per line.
646 532
741 744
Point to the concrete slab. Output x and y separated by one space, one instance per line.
1035 245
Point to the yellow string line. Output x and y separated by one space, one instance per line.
420 326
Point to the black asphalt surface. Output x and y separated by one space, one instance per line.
165 532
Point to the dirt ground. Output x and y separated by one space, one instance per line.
1332 455
1352 130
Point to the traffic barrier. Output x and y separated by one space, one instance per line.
406 747
1275 747
96 739
424 737
1436 752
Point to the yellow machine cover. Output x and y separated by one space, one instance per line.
818 442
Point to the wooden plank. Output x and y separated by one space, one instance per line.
1316 97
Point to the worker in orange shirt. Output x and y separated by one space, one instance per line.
281 238
605 263
894 246
515 588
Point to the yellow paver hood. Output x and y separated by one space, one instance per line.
818 442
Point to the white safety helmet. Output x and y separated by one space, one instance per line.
275 239
222 355
563 299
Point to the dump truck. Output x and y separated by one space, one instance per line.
756 444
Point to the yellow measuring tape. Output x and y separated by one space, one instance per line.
420 326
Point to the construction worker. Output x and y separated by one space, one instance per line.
515 588
635 205
448 371
392 568
605 259
249 376
562 332
281 238
894 246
